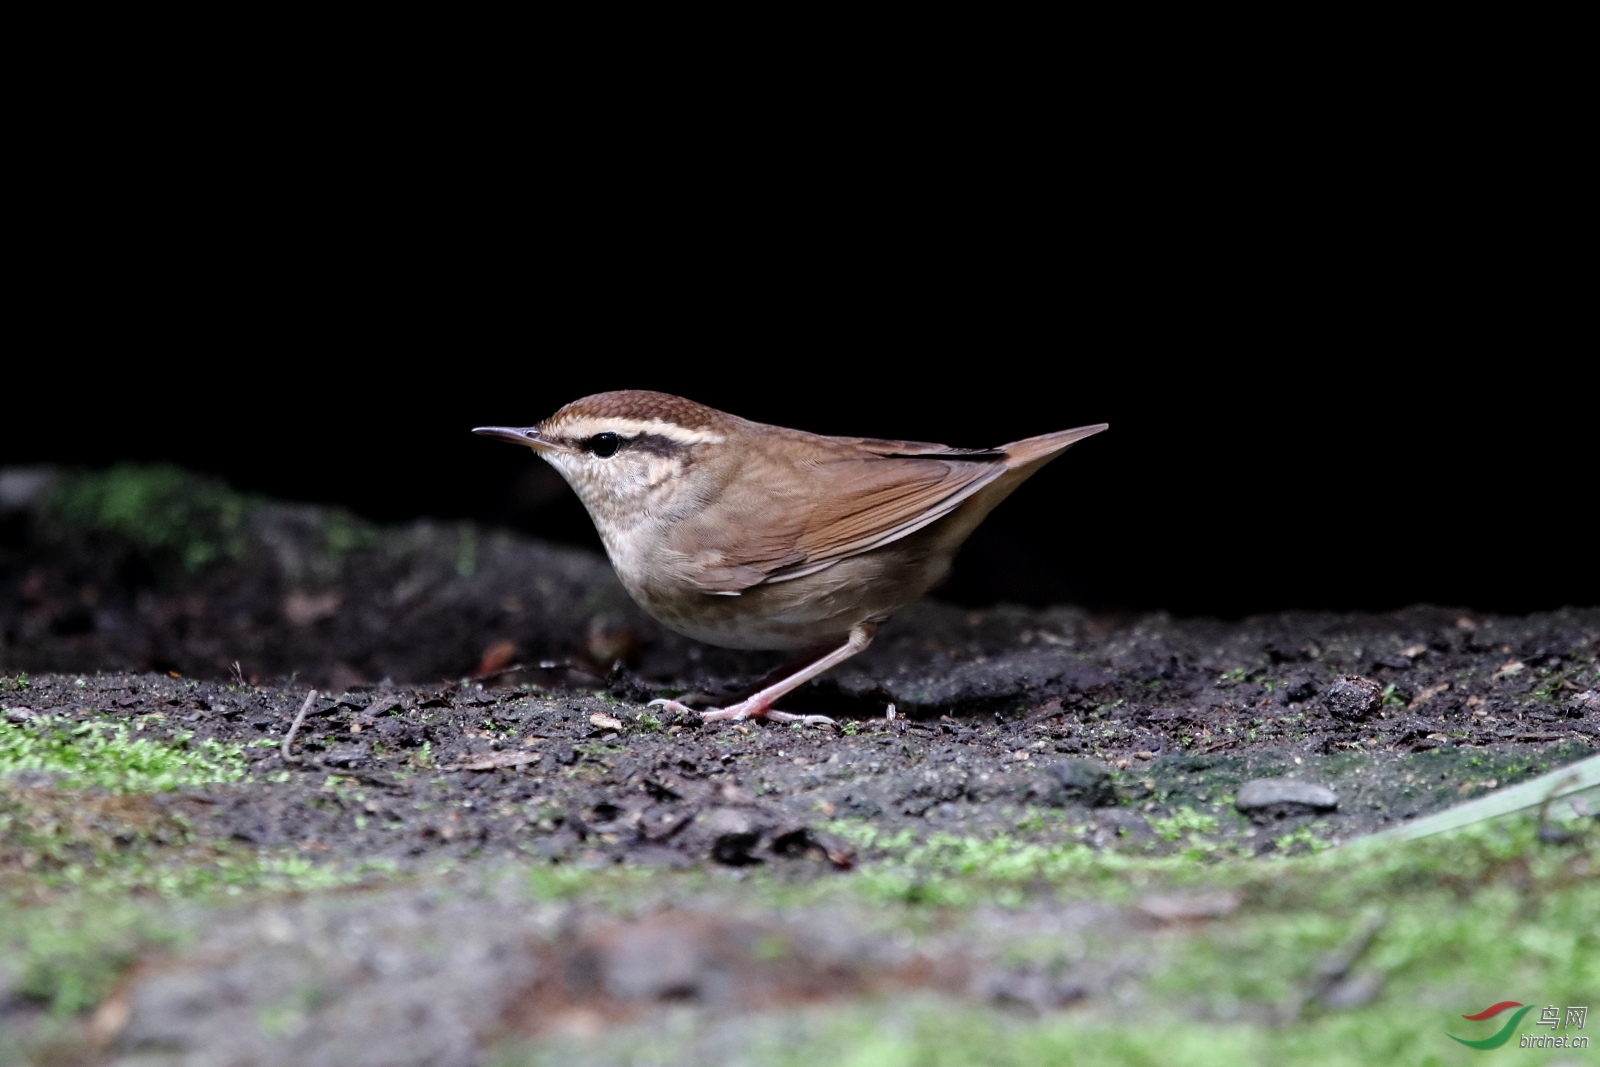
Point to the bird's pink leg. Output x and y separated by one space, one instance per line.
760 704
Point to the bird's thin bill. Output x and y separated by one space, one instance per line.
527 435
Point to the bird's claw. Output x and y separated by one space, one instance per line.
740 712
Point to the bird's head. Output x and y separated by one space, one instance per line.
628 454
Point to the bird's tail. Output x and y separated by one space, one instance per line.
1034 450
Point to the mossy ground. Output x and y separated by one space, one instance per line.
1462 921
143 815
111 853
112 756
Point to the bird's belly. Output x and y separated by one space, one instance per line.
765 616
818 609
751 631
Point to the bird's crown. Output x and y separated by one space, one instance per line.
634 413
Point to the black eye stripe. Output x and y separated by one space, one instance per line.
604 444
657 445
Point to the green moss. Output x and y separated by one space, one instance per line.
1302 839
68 957
110 756
162 509
1185 821
343 533
613 886
949 870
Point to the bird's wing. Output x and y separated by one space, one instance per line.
851 503
884 499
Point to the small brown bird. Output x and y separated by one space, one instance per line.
746 535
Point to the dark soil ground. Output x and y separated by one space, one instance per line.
481 708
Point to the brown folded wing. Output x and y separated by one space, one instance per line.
852 503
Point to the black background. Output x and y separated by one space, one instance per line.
1341 362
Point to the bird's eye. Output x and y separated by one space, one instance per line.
604 444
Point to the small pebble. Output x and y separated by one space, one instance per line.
1283 797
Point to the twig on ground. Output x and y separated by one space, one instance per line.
294 728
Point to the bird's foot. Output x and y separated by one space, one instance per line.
745 709
803 720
